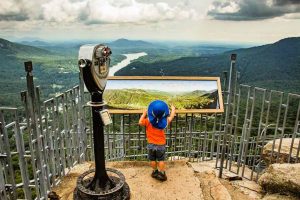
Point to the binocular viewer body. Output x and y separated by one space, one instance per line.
94 61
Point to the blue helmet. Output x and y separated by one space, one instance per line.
158 111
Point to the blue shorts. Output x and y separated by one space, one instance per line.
156 152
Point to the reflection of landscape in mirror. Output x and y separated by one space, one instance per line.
183 94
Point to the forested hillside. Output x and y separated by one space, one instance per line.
52 71
273 66
138 99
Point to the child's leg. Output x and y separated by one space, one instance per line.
152 156
153 165
160 155
161 151
162 171
161 166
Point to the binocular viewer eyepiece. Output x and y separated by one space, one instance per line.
93 62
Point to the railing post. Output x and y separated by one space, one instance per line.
81 121
22 161
225 78
33 130
230 94
3 194
7 162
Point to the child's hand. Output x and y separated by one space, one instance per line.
143 116
173 107
144 112
170 118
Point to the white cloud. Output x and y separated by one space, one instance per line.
292 16
20 10
247 10
8 7
113 11
230 7
156 19
93 11
62 10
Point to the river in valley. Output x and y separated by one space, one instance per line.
129 58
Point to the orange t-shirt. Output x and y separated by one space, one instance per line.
154 135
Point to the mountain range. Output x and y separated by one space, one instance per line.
130 43
47 70
273 66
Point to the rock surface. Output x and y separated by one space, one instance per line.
282 178
211 186
186 181
284 153
231 186
181 183
278 197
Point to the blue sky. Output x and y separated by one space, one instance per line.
257 21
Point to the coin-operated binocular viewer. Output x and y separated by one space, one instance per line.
99 183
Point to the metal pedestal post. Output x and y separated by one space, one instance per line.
96 183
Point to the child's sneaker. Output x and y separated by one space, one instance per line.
154 174
161 176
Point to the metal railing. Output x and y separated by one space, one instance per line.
41 145
37 153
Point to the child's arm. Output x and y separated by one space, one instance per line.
143 116
172 115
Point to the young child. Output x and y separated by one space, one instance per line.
158 119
